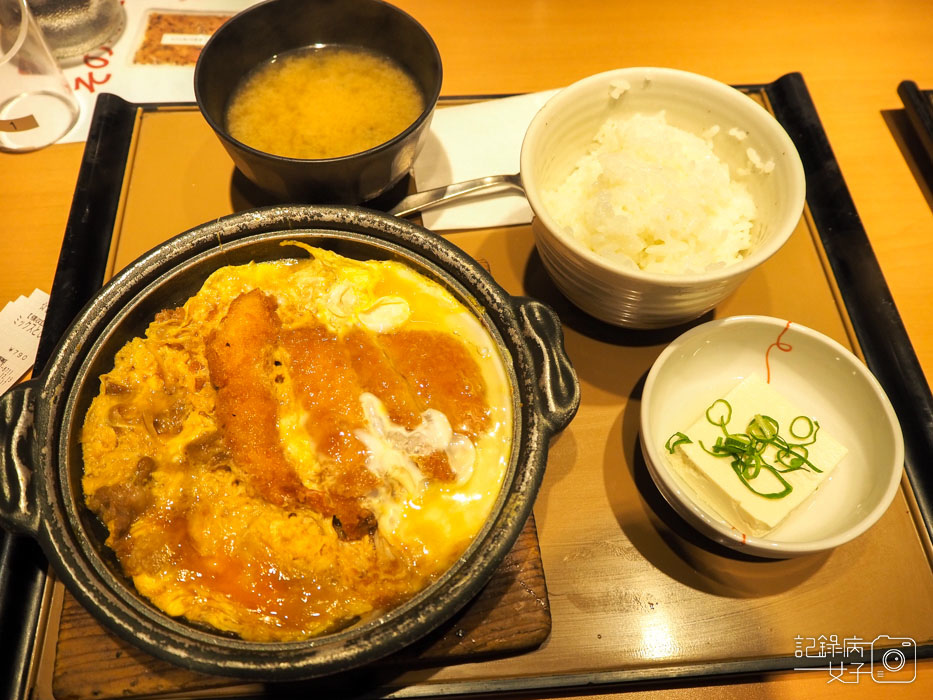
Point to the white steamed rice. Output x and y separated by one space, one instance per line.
649 195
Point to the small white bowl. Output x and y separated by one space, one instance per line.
817 374
562 132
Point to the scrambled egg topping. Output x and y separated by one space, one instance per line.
302 445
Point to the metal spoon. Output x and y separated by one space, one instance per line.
419 201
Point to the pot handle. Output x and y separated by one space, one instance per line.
558 388
18 508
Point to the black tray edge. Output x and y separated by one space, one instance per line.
78 275
919 107
872 312
874 317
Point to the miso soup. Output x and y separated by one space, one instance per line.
323 102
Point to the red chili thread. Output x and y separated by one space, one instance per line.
783 347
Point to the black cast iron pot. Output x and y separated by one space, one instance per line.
40 422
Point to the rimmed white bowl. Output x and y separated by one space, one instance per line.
818 375
562 132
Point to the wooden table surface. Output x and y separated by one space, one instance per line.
851 54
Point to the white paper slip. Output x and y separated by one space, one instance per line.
21 324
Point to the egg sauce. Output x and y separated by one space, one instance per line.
323 102
302 445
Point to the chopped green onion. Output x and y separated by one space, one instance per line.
746 451
675 440
724 414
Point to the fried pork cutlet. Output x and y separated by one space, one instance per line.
377 376
442 374
409 371
241 363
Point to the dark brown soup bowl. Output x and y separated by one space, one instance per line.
255 35
40 424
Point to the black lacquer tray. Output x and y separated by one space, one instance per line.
918 104
869 306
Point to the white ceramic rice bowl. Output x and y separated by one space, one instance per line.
818 375
563 130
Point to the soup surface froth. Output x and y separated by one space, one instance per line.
323 102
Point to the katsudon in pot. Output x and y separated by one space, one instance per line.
303 444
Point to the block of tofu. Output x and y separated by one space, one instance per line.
718 486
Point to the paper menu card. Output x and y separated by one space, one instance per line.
152 60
